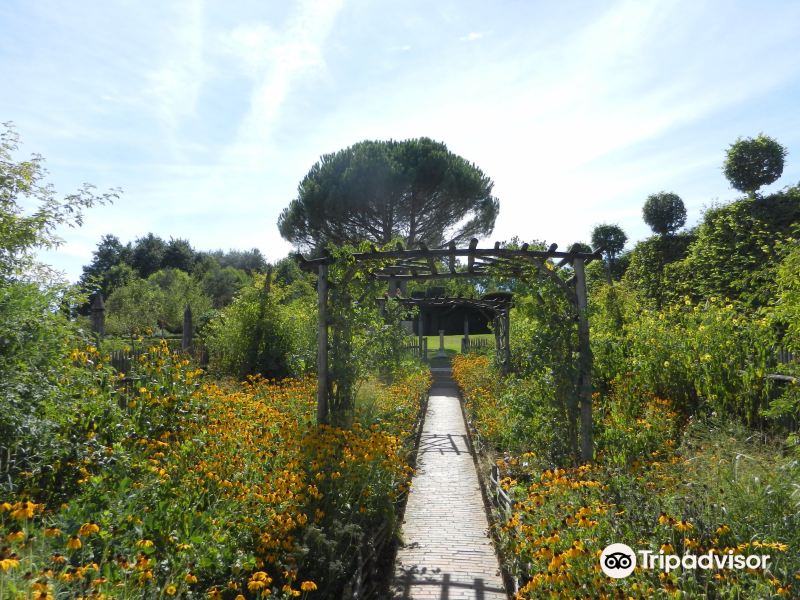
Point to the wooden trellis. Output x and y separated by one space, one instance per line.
400 265
495 307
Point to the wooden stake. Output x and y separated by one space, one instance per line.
585 362
322 346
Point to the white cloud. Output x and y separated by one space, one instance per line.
174 86
473 36
278 61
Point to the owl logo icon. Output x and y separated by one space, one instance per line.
618 561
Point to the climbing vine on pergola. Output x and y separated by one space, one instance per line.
399 265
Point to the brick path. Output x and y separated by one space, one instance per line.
447 553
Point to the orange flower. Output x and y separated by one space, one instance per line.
88 529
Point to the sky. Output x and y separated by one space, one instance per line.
208 114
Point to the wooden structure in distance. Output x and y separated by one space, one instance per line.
401 264
494 306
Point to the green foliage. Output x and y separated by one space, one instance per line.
260 332
648 260
543 343
579 247
22 183
737 249
696 355
786 408
787 308
133 308
179 290
664 212
221 284
110 267
722 491
754 162
221 274
178 254
41 393
156 302
147 255
415 190
611 238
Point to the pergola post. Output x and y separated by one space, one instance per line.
584 362
188 329
506 340
421 335
98 315
497 340
322 345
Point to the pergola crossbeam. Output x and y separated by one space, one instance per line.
400 264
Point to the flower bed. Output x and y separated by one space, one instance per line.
206 489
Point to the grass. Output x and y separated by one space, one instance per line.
452 343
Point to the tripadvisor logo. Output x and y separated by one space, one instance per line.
619 561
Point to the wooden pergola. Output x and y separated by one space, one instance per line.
496 307
401 265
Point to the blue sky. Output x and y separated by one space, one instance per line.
208 114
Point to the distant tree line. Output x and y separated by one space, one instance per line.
148 282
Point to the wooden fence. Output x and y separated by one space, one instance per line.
412 347
122 360
474 345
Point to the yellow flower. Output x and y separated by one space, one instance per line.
52 532
171 590
24 510
12 562
308 586
16 536
74 543
88 529
684 526
190 579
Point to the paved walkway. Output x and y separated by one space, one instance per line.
447 553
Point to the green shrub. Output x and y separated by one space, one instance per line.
261 333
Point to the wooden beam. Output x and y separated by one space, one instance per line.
473 243
431 262
451 257
584 363
425 276
450 251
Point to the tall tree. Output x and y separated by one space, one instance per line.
664 212
148 254
106 270
250 261
179 254
754 162
416 190
609 237
612 239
